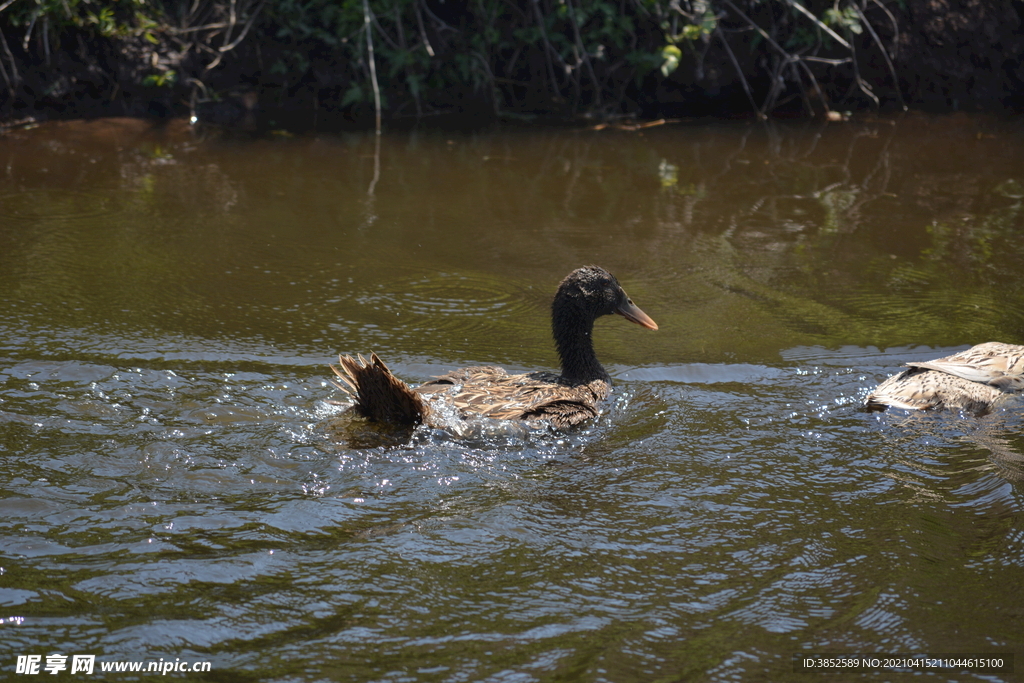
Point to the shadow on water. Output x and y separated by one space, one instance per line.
176 484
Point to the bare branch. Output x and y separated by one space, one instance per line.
423 33
383 33
800 8
885 53
764 34
245 29
373 65
548 47
14 66
822 60
739 72
193 29
583 51
895 27
817 88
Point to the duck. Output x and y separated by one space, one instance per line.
975 381
533 399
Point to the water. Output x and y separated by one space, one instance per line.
176 484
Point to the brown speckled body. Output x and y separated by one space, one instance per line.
974 380
488 392
485 391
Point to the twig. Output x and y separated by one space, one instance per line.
866 89
14 66
193 118
739 72
373 66
202 86
789 59
510 63
817 88
633 127
408 67
423 33
640 6
885 53
583 50
861 83
193 29
895 28
547 46
797 6
227 47
823 60
398 25
232 20
490 78
515 8
440 21
7 80
803 91
191 11
245 29
46 39
771 100
383 33
764 34
28 33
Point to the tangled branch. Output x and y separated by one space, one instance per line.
562 57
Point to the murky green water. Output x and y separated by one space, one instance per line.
175 485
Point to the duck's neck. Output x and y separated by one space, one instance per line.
573 332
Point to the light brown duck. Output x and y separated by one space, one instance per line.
562 400
974 380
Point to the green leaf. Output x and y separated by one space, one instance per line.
670 55
165 79
352 95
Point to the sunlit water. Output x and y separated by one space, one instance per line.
176 483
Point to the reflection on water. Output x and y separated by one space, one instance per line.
176 484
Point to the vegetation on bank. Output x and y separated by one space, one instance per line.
565 58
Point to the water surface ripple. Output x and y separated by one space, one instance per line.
177 484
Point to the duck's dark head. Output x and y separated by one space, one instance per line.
583 296
591 291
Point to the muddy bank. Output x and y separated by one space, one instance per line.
268 64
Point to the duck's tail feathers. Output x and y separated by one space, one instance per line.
378 394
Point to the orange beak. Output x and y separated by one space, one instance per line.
633 314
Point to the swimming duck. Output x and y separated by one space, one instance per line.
972 380
561 400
